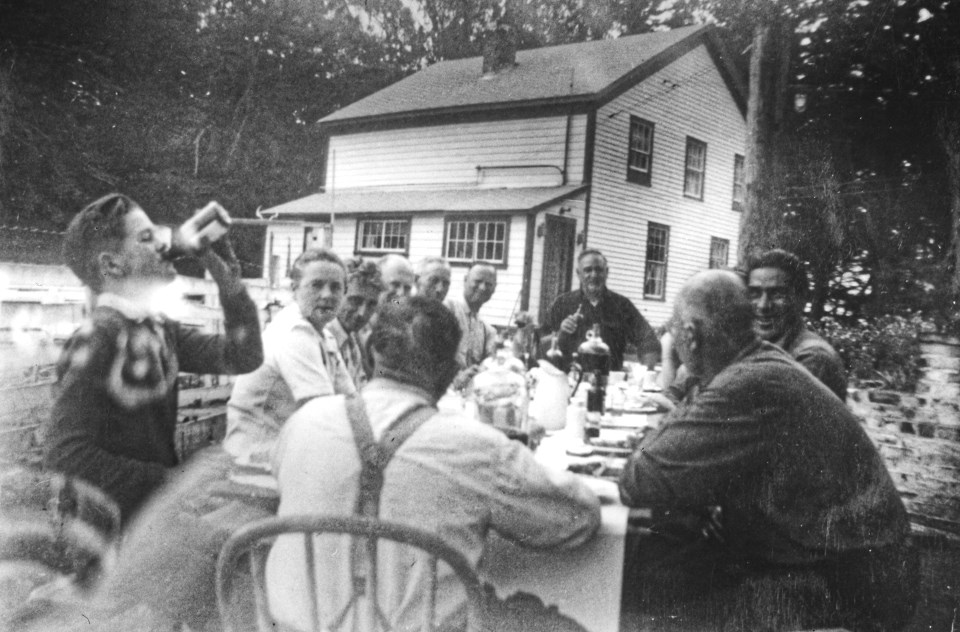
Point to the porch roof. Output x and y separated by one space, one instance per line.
465 200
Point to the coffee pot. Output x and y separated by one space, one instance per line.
593 357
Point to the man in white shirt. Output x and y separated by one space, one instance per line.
479 339
300 360
453 476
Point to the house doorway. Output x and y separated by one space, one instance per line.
558 242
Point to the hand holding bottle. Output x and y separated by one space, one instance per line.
571 322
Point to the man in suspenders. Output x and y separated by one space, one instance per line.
451 475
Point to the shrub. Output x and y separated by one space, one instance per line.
885 349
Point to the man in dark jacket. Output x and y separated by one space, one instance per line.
777 285
114 419
807 503
573 314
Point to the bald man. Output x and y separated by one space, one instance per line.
479 339
433 278
810 515
398 276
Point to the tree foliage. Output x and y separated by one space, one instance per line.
179 101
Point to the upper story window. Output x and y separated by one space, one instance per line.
469 240
381 236
655 273
695 170
739 181
719 252
640 151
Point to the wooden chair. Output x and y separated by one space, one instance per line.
255 540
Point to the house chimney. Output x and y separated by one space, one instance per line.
499 49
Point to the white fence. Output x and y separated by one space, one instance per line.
41 305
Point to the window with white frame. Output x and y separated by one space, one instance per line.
640 151
655 273
739 181
470 240
381 236
695 170
719 252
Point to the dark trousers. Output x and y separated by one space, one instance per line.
700 584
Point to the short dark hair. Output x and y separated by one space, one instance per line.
309 256
586 252
791 265
98 227
417 338
364 272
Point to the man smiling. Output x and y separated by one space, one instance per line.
573 314
300 359
479 339
777 286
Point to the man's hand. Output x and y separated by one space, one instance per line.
222 264
462 379
570 323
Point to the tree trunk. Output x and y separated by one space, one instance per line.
769 67
948 129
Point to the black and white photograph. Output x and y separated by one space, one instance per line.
479 315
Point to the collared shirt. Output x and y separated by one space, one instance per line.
299 363
479 340
797 477
455 477
348 345
620 323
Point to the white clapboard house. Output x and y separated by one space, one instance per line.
632 145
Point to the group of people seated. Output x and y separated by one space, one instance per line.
765 489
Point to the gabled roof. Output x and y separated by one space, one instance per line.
572 73
467 200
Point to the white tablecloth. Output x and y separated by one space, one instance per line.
585 582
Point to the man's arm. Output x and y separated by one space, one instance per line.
239 349
700 450
540 507
826 367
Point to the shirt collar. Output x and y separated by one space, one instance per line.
130 309
335 329
386 384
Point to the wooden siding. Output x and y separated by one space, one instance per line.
687 98
286 241
448 155
426 240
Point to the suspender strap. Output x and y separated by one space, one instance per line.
374 457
